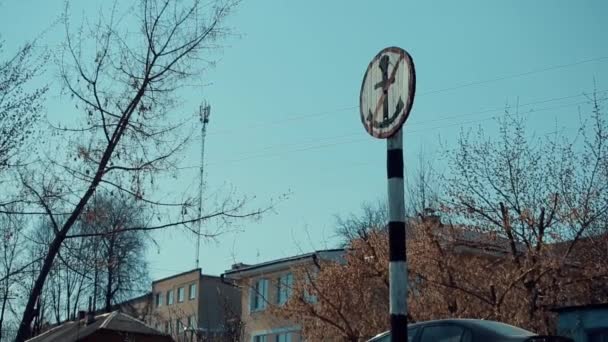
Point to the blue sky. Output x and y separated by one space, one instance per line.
284 98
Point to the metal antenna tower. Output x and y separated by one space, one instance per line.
204 112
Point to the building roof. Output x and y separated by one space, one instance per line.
283 262
143 297
115 321
177 275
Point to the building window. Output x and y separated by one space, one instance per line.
180 294
258 294
284 288
167 327
179 327
309 290
170 297
283 337
192 292
260 338
158 299
192 322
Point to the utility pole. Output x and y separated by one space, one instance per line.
204 113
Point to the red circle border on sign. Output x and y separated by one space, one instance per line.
410 98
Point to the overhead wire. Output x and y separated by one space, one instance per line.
328 141
366 139
506 77
418 123
302 116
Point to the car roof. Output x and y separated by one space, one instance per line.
471 323
463 321
483 327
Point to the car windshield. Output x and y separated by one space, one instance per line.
504 329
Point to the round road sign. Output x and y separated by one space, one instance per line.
387 92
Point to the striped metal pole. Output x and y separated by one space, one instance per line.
385 101
396 237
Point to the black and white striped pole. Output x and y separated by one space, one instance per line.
387 95
396 237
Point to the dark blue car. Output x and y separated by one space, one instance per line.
469 330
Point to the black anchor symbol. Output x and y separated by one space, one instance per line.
385 84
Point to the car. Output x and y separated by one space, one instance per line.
469 330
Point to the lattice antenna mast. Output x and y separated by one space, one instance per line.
204 112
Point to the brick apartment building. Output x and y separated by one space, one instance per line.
269 283
190 306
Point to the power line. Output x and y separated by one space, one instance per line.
416 124
506 77
297 117
366 139
287 120
329 143
503 108
322 146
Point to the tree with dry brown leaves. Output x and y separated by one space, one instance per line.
539 201
521 228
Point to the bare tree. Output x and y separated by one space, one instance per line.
127 85
11 264
520 229
373 217
541 198
422 188
422 199
20 107
117 258
341 301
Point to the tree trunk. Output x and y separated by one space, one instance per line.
110 280
25 328
77 299
4 300
56 295
95 278
108 295
68 293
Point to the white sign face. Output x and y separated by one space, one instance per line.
387 92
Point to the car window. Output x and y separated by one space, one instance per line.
467 336
599 335
503 329
411 333
442 333
385 338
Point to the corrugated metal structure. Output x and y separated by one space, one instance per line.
110 327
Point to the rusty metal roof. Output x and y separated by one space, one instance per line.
73 331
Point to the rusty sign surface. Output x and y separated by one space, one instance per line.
387 92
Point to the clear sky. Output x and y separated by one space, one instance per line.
284 98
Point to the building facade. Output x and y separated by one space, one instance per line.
266 284
584 323
190 306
